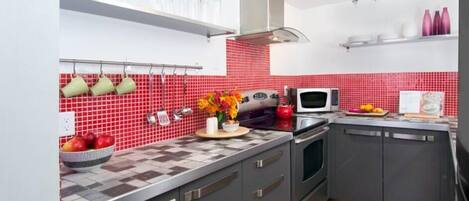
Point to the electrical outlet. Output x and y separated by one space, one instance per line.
66 123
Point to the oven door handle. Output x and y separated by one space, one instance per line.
313 136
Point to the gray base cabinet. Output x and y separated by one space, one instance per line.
266 177
416 165
263 177
224 185
355 157
388 164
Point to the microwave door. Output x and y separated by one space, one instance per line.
313 101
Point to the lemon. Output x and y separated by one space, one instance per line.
368 108
378 110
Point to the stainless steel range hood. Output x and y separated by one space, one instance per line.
262 22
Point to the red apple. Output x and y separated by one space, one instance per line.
103 141
89 138
75 144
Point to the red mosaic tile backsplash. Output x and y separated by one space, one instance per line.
248 67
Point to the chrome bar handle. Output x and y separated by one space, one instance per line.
261 192
210 188
312 136
363 132
265 162
411 137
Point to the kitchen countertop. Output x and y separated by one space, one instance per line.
144 172
446 124
148 171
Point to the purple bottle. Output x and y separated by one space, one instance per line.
427 24
445 22
437 23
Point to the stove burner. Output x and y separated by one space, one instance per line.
265 119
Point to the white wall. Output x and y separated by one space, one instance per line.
327 26
29 103
86 36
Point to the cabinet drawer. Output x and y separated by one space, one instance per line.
168 196
266 176
224 185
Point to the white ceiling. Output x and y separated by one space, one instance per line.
304 4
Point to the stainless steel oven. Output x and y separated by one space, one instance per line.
309 165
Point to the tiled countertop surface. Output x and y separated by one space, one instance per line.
158 165
165 165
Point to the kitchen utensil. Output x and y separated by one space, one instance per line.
221 134
104 84
186 110
284 111
77 86
177 115
151 118
85 161
162 115
127 85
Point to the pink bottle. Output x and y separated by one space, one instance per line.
437 23
445 22
427 24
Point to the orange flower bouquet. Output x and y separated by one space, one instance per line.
222 104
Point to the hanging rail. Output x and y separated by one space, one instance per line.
126 63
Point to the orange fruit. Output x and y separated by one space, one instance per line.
368 108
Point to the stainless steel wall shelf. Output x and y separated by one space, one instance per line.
124 11
402 40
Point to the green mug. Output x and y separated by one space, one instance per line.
77 86
102 87
126 86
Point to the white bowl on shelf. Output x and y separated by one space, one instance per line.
361 39
388 37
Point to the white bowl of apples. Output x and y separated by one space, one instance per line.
84 153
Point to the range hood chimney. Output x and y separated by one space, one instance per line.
262 22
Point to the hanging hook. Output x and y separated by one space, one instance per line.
74 67
174 70
124 70
162 70
101 72
151 68
185 70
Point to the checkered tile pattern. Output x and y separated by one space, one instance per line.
135 168
248 68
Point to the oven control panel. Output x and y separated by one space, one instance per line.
258 99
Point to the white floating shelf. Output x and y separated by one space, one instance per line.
125 11
401 40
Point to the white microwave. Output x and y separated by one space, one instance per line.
315 99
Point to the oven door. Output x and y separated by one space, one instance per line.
313 100
309 162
